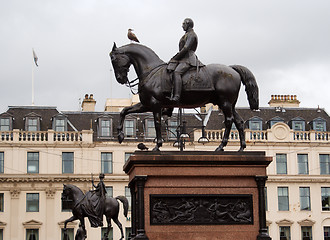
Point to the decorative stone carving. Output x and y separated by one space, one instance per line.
32 224
201 209
14 192
50 193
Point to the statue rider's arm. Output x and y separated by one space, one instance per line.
188 46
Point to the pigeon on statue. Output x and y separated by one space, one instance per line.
131 36
142 147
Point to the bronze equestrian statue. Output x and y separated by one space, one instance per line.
93 205
214 83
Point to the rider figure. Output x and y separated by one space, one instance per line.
184 59
99 201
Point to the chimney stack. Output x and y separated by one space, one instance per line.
88 104
286 101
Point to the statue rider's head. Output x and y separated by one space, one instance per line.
101 176
187 24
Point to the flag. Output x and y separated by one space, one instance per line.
35 57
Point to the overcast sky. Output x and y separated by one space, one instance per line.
285 43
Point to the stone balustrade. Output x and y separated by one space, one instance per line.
50 136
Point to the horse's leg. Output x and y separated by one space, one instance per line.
157 121
226 108
137 108
82 222
115 219
240 127
105 237
73 218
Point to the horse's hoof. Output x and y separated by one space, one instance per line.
120 136
156 149
219 149
241 149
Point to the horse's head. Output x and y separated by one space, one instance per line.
67 193
121 63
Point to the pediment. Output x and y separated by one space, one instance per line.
306 222
32 224
32 114
284 222
69 225
2 224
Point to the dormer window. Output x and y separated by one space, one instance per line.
32 124
129 128
255 124
105 127
319 124
275 120
5 124
60 123
298 124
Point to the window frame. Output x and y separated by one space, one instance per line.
150 131
32 229
281 164
305 195
66 162
325 194
298 120
108 134
253 121
2 202
4 125
28 125
2 162
32 202
127 155
303 164
302 232
324 164
172 127
106 160
65 123
320 121
283 200
285 228
31 161
133 128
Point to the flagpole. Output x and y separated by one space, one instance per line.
32 84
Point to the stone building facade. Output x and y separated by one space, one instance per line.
42 148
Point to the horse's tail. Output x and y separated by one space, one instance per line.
251 86
125 204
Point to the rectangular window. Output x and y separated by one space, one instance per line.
283 198
303 164
67 162
2 162
255 125
306 233
298 125
32 202
32 234
319 126
60 125
128 232
66 204
281 164
4 124
326 231
324 164
151 132
172 127
305 200
33 162
69 233
2 202
285 233
105 128
129 128
106 162
128 196
325 194
127 155
1 234
104 233
32 124
109 192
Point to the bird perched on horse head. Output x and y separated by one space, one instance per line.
131 36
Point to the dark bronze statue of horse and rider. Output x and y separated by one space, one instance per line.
183 82
93 205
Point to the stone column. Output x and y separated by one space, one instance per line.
131 185
15 210
139 182
263 235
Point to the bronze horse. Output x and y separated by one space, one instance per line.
78 198
219 85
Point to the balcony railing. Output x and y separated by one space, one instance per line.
267 136
50 136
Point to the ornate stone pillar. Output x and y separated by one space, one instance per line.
139 183
263 235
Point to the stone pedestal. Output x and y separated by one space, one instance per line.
198 195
